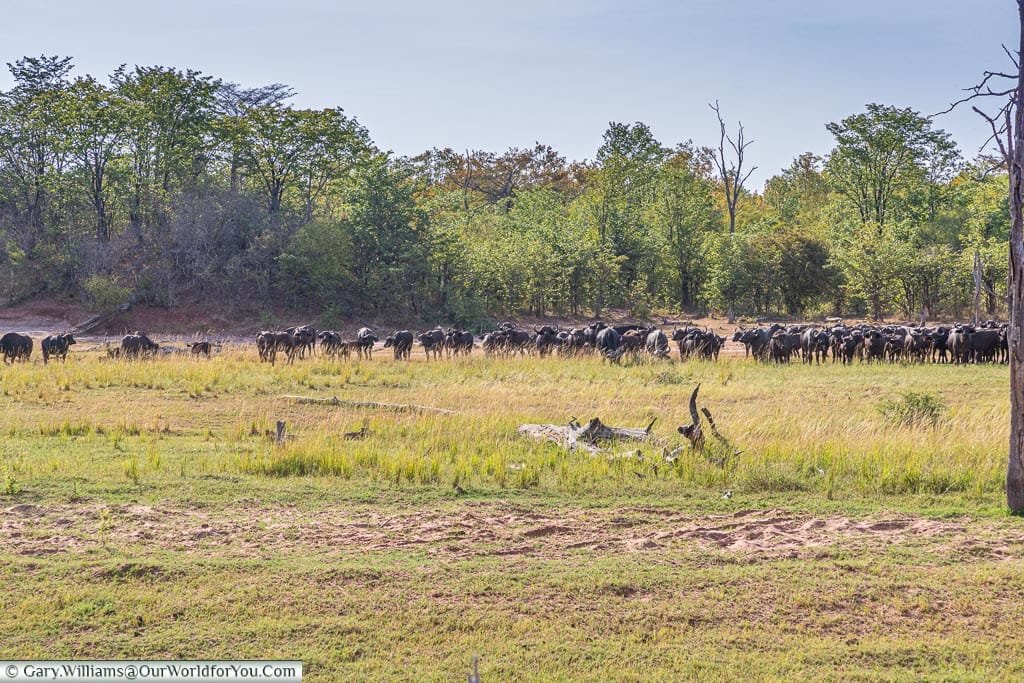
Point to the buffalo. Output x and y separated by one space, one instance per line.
657 343
56 346
15 347
200 348
432 342
401 343
303 339
366 339
269 343
138 345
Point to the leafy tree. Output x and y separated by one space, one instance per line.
31 141
682 216
96 122
868 258
169 133
800 192
286 149
805 275
882 156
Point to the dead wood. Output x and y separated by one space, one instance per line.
693 431
361 433
587 437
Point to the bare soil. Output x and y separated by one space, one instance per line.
479 529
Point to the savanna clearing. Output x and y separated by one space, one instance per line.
145 511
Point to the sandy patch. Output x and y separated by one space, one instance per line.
481 529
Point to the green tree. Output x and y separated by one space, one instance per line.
170 131
805 275
32 142
96 123
800 192
883 157
682 216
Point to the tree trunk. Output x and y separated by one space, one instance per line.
1015 466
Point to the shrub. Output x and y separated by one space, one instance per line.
914 409
106 292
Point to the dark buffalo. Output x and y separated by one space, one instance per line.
874 346
657 343
461 342
303 339
432 342
401 343
633 342
983 346
15 347
606 341
815 344
366 339
200 348
545 340
56 346
330 341
591 331
269 343
138 345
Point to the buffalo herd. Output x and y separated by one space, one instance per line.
957 343
954 343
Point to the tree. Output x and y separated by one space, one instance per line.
96 121
683 214
233 101
169 133
882 156
33 147
619 193
301 149
804 270
730 171
390 267
867 258
1007 126
800 192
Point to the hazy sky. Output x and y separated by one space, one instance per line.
489 75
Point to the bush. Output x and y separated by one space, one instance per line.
106 292
914 409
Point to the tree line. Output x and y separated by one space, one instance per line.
165 186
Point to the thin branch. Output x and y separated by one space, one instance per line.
1014 60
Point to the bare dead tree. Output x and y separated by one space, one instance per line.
999 99
731 170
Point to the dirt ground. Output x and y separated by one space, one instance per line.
480 529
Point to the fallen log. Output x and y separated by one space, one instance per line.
397 407
361 433
587 437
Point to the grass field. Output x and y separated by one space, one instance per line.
145 511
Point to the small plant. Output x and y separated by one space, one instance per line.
10 487
914 409
131 470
